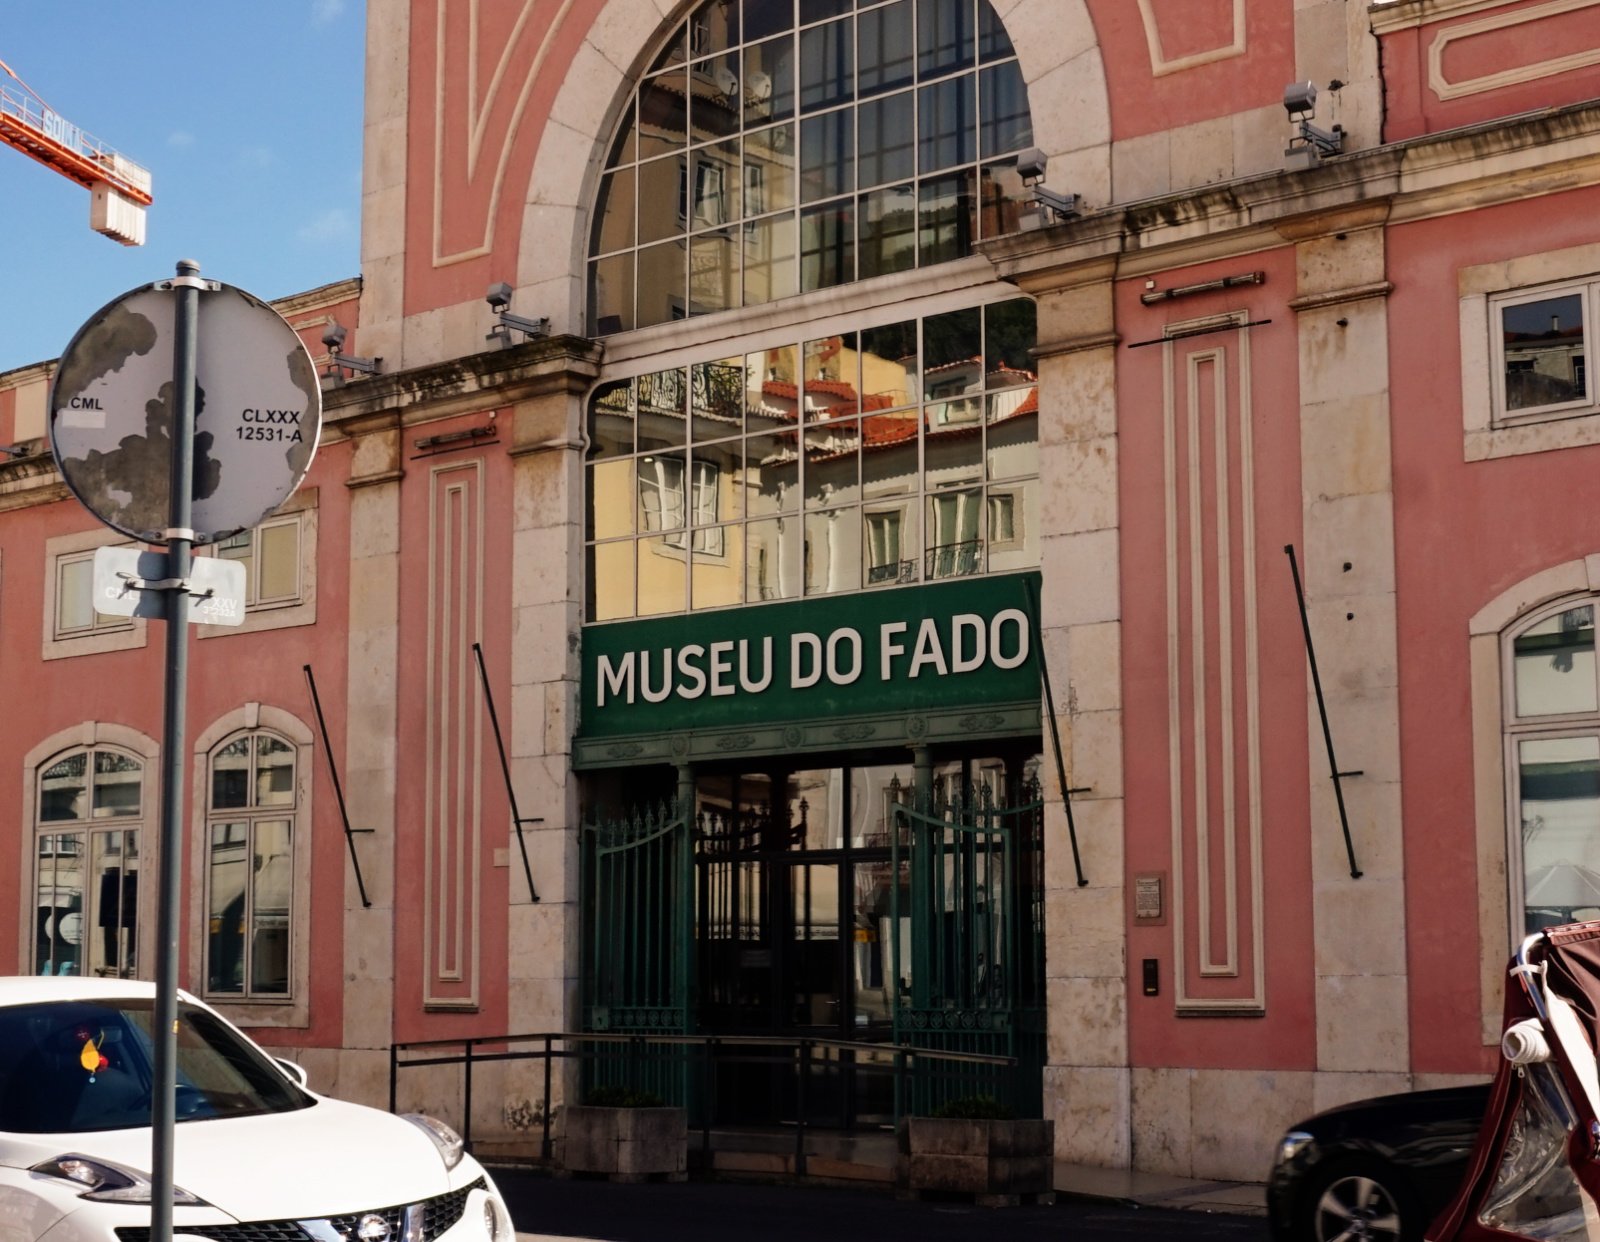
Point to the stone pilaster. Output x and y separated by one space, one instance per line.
368 765
1348 567
1086 1076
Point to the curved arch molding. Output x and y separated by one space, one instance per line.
510 105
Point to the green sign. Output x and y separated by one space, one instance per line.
953 644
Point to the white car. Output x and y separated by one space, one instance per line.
258 1158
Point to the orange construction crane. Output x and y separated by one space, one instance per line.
119 190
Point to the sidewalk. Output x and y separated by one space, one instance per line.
1160 1190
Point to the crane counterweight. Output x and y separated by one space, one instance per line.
119 188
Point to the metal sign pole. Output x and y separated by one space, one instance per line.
180 538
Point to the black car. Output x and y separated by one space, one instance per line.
1379 1169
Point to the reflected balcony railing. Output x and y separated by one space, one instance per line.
953 560
892 571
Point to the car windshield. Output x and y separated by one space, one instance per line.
74 1066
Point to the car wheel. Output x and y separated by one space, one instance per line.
1366 1201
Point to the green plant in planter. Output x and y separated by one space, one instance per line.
614 1096
973 1108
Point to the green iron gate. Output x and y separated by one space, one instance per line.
968 942
637 877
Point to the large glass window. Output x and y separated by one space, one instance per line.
901 453
1554 754
89 806
250 867
780 146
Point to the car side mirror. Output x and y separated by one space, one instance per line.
296 1072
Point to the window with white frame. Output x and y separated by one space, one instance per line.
1552 698
88 818
75 615
271 556
249 862
1540 348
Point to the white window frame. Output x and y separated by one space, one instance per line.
1589 293
250 817
1516 729
88 736
99 622
87 828
300 511
1487 431
293 1011
106 634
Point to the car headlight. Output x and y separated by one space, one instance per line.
449 1143
1292 1144
106 1182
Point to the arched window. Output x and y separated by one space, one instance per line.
1552 699
859 459
250 815
88 817
780 146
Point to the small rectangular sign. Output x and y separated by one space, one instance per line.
216 586
1147 904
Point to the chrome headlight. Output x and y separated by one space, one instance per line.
106 1182
1292 1144
449 1143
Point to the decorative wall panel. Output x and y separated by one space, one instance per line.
1214 731
453 818
1487 54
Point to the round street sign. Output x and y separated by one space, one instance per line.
258 410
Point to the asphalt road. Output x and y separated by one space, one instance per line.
547 1207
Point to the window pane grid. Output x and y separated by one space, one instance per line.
249 869
86 879
895 94
902 453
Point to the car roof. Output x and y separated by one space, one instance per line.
33 990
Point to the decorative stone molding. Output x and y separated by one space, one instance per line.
1487 27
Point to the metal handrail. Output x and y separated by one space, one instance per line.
801 1046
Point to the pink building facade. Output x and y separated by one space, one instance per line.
833 445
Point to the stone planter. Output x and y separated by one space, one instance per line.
627 1144
997 1163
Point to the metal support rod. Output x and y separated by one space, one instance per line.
180 505
545 1149
1055 731
803 1055
338 790
466 1110
1322 711
505 771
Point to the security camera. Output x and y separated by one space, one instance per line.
1311 144
333 336
499 299
1300 99
1031 166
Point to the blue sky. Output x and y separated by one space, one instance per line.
247 114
